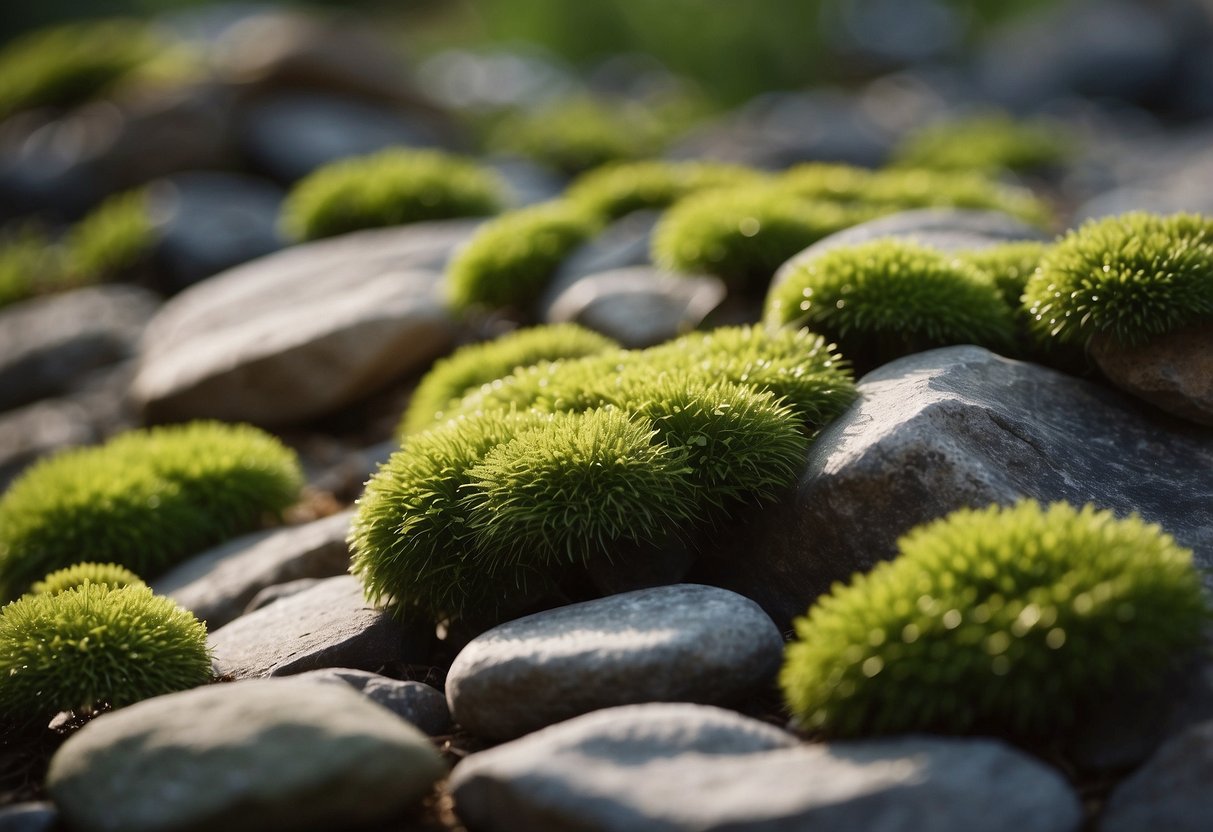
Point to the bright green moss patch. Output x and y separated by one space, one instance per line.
1007 266
29 264
989 143
511 258
469 367
391 187
143 500
94 645
616 190
1001 619
110 574
113 238
1128 278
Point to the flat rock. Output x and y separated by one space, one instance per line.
247 756
1172 371
301 332
218 584
678 643
1171 791
416 702
952 428
329 625
29 817
622 244
681 767
277 592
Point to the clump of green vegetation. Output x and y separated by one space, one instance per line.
889 298
1128 278
95 645
451 378
391 187
143 500
613 191
110 574
989 143
998 619
1008 266
113 239
29 264
511 258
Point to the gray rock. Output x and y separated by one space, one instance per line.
1171 791
622 244
678 643
415 702
301 332
1172 371
218 584
276 592
678 767
952 428
247 756
329 625
527 182
29 817
345 472
48 345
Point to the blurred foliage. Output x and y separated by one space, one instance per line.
987 143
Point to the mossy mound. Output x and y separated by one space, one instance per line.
1127 278
613 191
110 574
94 645
29 264
1007 266
391 187
1007 620
112 239
987 143
143 500
451 378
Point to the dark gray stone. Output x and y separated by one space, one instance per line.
416 702
276 592
622 244
1171 791
29 817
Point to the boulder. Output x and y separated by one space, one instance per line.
1173 371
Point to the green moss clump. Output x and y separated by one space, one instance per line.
110 574
613 191
999 619
29 264
112 239
889 298
469 367
95 645
989 143
391 187
143 500
1007 266
1128 278
511 258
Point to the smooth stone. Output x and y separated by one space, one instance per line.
639 306
678 643
623 244
277 592
33 816
255 755
49 345
301 332
527 182
670 768
952 428
416 702
218 584
1172 371
1171 791
346 473
329 625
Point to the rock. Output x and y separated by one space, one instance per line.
29 817
329 625
218 584
678 643
49 345
253 755
623 243
1172 371
527 182
277 592
680 767
956 427
416 702
302 332
343 472
640 306
1171 791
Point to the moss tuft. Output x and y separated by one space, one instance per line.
1008 620
29 264
990 143
112 239
110 574
613 191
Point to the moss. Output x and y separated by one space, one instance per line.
1128 278
93 645
613 191
391 187
1008 620
889 298
29 264
110 574
469 367
144 500
510 259
988 143
112 239
1007 267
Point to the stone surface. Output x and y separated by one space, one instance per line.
218 584
416 702
329 625
254 755
952 428
681 767
301 332
678 643
1171 791
622 244
29 817
48 345
1172 371
277 592
639 306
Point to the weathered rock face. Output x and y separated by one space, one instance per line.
1172 371
414 702
961 427
1171 791
254 755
